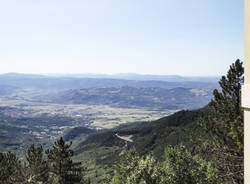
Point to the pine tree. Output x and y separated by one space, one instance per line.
37 167
62 166
11 169
224 124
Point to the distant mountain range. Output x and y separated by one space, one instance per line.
141 77
84 81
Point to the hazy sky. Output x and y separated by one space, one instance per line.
184 37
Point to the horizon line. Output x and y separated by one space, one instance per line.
107 74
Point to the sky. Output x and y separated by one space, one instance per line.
160 37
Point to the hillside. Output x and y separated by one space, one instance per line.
100 150
131 97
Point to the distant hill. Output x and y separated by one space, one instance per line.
143 77
44 82
131 97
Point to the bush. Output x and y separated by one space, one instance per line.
179 167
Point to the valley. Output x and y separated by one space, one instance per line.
90 112
39 109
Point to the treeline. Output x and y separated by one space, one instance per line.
56 167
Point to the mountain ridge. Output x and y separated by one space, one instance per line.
125 76
41 82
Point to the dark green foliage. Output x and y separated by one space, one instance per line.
11 169
226 107
57 169
224 125
61 164
37 167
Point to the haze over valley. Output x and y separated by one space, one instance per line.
42 107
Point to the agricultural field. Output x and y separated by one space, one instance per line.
23 121
92 116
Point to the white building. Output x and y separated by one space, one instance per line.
246 94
